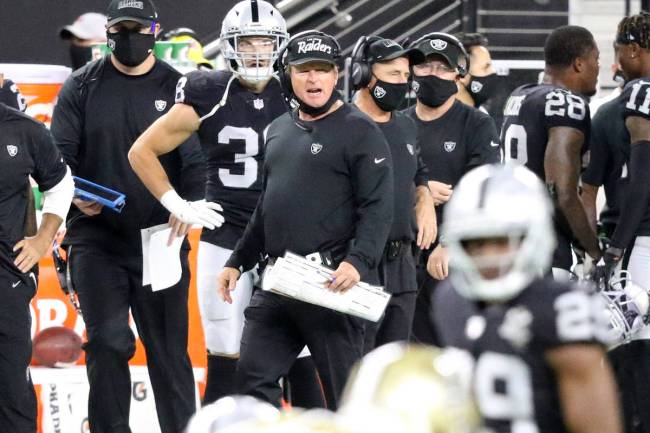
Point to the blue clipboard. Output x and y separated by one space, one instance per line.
90 191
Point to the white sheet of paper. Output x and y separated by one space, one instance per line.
164 261
161 265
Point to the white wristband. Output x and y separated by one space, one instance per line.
58 198
173 202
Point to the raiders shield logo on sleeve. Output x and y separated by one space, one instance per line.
160 105
12 150
316 147
450 146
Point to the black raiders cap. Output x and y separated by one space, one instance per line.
312 48
383 50
141 11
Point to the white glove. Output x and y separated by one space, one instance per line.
203 213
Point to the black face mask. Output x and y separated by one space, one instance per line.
79 56
317 111
388 96
131 48
433 91
482 88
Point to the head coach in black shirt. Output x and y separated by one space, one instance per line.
328 189
26 149
453 139
102 109
380 71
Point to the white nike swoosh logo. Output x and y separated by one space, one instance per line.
14 285
493 144
379 160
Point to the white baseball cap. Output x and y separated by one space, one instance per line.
89 26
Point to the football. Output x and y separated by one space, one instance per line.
56 347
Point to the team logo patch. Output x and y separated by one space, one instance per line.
130 4
379 92
160 104
450 146
316 147
111 44
12 150
516 327
409 147
258 103
476 87
438 44
415 86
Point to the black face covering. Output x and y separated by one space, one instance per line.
433 91
388 96
317 111
482 88
79 56
131 48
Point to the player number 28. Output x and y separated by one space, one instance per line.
561 104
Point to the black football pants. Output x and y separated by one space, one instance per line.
276 330
108 285
423 324
17 397
397 276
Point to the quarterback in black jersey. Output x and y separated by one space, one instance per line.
230 110
536 343
380 73
26 149
546 128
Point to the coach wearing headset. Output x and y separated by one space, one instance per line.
380 73
328 191
453 138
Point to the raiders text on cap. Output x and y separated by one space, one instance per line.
314 45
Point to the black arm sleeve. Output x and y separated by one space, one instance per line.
67 122
193 172
637 195
600 157
484 145
373 190
422 174
250 247
49 167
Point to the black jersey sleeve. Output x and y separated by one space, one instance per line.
565 314
636 99
483 147
201 90
67 122
49 167
600 158
563 108
251 246
422 174
370 163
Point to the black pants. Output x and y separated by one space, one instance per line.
397 275
276 330
108 285
562 256
423 329
17 397
631 364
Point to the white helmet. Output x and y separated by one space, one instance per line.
627 306
496 201
252 18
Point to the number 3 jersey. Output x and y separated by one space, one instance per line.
515 388
232 139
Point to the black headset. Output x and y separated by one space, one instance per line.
361 70
462 70
281 65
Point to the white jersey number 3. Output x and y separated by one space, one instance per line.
251 139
